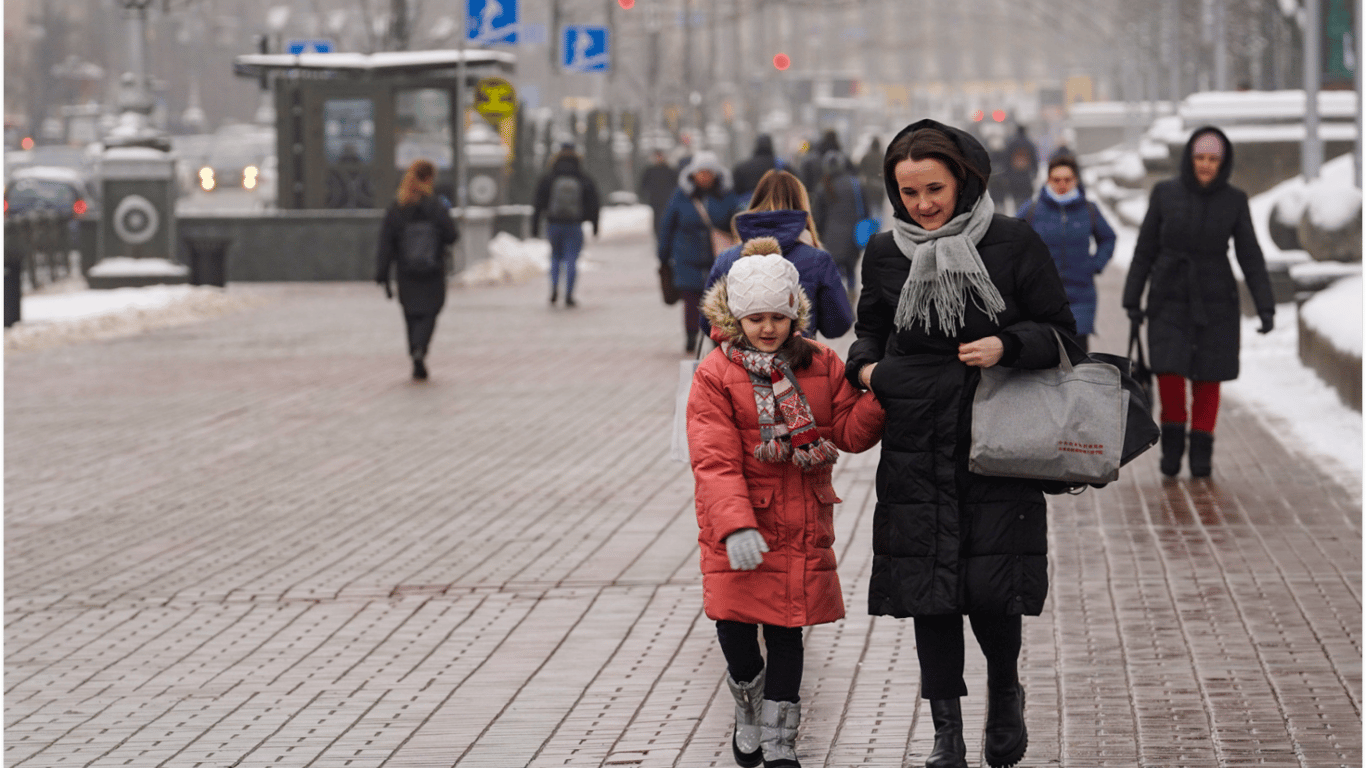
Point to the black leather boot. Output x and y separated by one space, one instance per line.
1006 737
1202 452
949 749
1173 447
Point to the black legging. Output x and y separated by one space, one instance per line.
939 645
740 644
420 329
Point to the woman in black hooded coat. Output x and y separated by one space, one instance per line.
1193 315
947 542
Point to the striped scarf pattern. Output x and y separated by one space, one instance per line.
794 437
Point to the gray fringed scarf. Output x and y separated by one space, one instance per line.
945 269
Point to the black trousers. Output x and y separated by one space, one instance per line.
939 645
740 645
420 329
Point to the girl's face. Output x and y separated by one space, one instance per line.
928 190
766 331
1206 167
704 178
1062 180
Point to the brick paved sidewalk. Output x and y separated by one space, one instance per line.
252 541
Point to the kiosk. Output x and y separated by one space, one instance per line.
349 124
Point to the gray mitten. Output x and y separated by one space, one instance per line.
746 548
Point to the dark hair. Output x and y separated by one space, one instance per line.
927 143
1065 160
797 351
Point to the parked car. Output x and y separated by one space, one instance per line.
54 188
235 158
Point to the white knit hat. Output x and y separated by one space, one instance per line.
763 283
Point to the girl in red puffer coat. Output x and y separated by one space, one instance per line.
768 413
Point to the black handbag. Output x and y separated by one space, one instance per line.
1138 363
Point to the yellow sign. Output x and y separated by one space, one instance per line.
495 99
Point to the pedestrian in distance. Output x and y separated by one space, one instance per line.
748 171
703 204
413 241
811 168
953 288
780 209
1192 309
1022 157
567 198
837 207
1068 223
870 178
657 183
767 415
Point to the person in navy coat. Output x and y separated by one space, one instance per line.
1068 223
704 201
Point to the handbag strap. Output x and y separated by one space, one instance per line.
858 198
702 211
1136 346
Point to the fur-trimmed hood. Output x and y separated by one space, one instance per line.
725 326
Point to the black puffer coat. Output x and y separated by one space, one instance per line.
419 294
946 540
1182 259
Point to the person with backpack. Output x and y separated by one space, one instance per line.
566 197
413 240
747 172
768 413
1068 223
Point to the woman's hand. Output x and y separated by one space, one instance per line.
982 353
865 376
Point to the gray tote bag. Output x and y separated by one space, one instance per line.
1065 423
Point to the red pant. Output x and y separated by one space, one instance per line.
1171 390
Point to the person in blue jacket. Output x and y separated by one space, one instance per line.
780 208
1068 222
704 201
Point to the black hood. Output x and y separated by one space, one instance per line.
1188 165
567 163
972 149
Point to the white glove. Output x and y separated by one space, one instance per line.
746 548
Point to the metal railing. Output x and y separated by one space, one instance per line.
40 242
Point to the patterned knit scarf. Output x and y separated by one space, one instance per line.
776 392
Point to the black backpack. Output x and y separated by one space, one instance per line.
566 199
419 251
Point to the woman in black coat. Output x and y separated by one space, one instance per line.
414 238
1192 311
951 289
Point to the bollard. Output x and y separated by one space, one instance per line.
14 271
208 259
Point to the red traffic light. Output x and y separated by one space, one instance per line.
782 62
627 4
999 115
977 116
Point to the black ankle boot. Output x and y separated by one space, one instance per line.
1006 737
554 294
1173 446
949 749
1202 452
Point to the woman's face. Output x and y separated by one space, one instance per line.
766 331
1062 180
704 178
928 190
1206 167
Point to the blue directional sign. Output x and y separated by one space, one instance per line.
585 49
491 21
310 46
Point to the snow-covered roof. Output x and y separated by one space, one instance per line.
254 64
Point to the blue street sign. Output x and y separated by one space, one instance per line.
491 21
585 49
310 46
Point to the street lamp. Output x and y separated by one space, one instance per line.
135 102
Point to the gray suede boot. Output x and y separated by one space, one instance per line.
744 743
778 721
